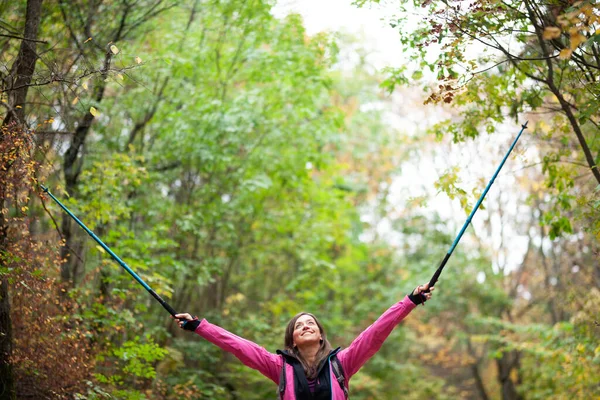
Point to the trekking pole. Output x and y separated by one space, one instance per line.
437 273
114 256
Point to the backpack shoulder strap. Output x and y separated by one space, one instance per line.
338 371
282 383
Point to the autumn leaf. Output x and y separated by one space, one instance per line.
75 101
114 49
84 85
576 40
565 54
87 40
94 112
551 32
587 10
138 60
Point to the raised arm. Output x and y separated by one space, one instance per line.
370 340
249 353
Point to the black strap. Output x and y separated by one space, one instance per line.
417 299
338 371
191 325
282 385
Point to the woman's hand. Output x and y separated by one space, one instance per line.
186 321
420 295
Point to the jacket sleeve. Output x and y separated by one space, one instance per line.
249 353
371 339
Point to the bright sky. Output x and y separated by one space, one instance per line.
341 15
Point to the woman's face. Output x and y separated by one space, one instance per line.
306 331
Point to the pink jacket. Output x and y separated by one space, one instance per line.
351 358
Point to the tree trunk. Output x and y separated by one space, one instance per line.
7 384
475 371
479 382
72 165
577 129
17 83
506 364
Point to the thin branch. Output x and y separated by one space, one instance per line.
22 38
150 14
104 72
166 167
122 24
66 20
58 229
149 114
500 48
4 25
53 133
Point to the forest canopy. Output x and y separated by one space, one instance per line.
248 169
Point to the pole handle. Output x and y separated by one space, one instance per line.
163 303
438 272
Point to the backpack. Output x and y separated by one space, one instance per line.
338 371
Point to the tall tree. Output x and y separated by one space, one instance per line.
106 26
501 60
17 82
16 85
496 61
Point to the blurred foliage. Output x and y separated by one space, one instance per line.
246 173
490 63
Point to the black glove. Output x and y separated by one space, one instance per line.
418 298
191 325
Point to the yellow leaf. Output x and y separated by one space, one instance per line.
94 112
565 54
138 60
120 76
75 101
576 40
85 85
114 49
587 10
88 39
100 249
551 32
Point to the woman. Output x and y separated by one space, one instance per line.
308 368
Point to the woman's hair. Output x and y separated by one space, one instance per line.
322 353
